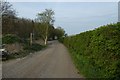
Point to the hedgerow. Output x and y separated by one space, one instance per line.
96 53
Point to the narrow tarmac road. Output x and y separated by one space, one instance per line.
53 62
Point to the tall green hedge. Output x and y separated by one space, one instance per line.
96 53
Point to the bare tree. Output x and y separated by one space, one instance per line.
7 14
6 8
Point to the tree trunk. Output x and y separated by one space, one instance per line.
46 37
46 40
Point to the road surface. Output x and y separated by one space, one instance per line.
52 62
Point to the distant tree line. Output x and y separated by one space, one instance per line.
42 27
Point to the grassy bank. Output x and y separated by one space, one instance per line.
96 53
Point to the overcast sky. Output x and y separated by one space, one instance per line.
74 17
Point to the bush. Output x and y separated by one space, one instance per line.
10 38
96 53
33 47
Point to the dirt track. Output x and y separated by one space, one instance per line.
53 62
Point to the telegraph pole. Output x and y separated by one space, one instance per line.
31 36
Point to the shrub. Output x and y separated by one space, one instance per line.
10 38
33 47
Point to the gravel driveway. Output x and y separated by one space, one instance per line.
52 62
